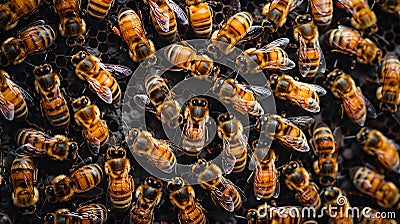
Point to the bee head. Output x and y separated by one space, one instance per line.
199 166
252 215
371 29
78 57
153 182
363 135
331 193
175 183
290 168
76 41
42 70
49 218
116 152
241 64
303 19
273 81
81 102
269 26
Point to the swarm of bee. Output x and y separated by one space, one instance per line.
332 68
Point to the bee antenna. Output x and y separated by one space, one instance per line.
378 37
396 119
349 137
240 217
32 65
373 4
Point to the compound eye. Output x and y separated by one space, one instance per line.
203 103
37 71
49 218
288 171
80 40
84 101
309 19
70 42
294 165
47 69
301 20
74 146
83 55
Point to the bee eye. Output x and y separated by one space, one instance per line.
49 218
339 72
37 71
84 101
288 171
253 214
83 55
301 20
74 146
47 68
294 165
80 40
203 103
70 42
309 19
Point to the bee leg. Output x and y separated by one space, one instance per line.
395 119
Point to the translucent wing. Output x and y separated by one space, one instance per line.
87 215
277 189
228 159
301 121
232 186
259 90
119 69
385 158
281 42
289 65
318 89
102 91
222 199
251 107
251 34
322 63
141 100
305 67
180 14
371 112
296 4
160 17
6 108
16 89
296 143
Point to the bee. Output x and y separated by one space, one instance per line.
194 131
391 6
243 97
186 58
47 84
158 152
14 10
301 94
363 18
165 14
183 197
230 130
322 11
266 183
91 214
269 57
201 17
98 9
374 217
95 130
56 147
148 197
5 219
273 126
388 93
13 98
23 176
298 179
349 41
89 68
334 198
267 214
276 13
30 41
120 183
83 179
133 33
72 26
354 102
311 57
376 144
373 184
223 192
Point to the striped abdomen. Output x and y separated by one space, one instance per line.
67 8
120 190
238 147
309 196
322 11
15 97
346 40
323 140
201 19
106 79
166 10
87 177
311 60
265 179
14 10
99 8
22 173
37 39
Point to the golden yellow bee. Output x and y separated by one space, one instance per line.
183 198
301 94
374 217
148 197
38 144
13 10
390 6
223 192
72 26
94 129
363 18
376 144
158 152
5 219
311 57
87 214
201 17
276 215
334 198
298 180
54 105
23 176
99 9
276 13
269 57
83 179
120 183
349 41
32 40
389 92
354 102
322 12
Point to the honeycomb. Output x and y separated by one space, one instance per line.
103 42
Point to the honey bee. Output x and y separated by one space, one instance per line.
276 13
388 93
14 10
273 126
23 176
301 94
230 130
89 68
165 14
374 217
223 192
349 41
373 184
298 179
201 17
132 31
120 183
363 18
148 197
269 57
83 179
72 26
5 219
56 147
186 58
311 57
322 11
47 84
267 214
158 152
354 102
266 183
30 41
95 130
376 144
13 98
183 197
334 198
98 9
390 6
90 214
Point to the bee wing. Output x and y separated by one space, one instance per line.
322 62
277 190
102 91
251 34
6 108
116 69
259 90
309 104
301 121
296 143
141 100
318 89
176 149
222 199
228 159
304 68
296 4
180 14
229 184
371 112
251 107
86 215
385 158
281 42
16 89
161 18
